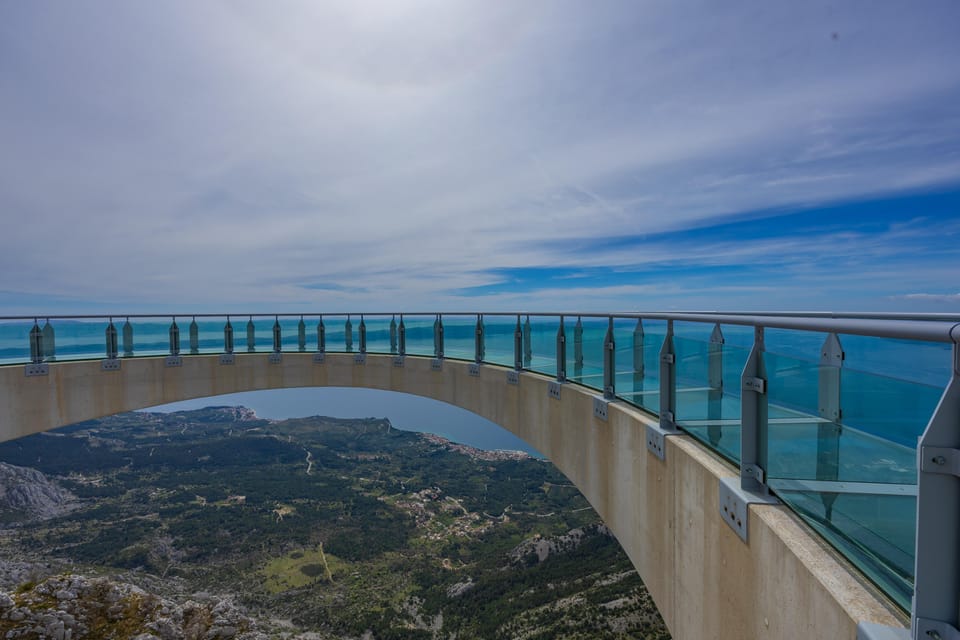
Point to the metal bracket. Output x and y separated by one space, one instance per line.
436 364
667 358
110 364
940 460
553 390
319 358
758 385
360 358
667 424
37 369
398 361
935 629
656 442
752 471
228 358
600 408
657 439
734 501
275 358
873 631
171 361
474 369
513 377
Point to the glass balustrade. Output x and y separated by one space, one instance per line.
498 336
843 412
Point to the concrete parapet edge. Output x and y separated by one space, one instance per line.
707 583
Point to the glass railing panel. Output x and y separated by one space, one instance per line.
589 370
540 351
498 339
151 336
209 335
708 390
419 332
851 476
81 339
459 337
334 330
15 340
634 381
924 362
378 333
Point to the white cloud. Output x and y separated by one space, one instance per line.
194 154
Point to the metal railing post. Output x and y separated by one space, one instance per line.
251 336
578 349
393 334
828 408
301 336
715 384
127 339
439 336
668 381
363 335
402 336
277 336
436 337
518 347
36 343
228 337
174 338
609 363
753 419
111 334
479 346
936 594
527 344
321 336
348 335
194 337
49 342
561 353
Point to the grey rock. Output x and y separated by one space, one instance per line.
32 493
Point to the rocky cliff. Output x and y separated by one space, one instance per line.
30 494
69 607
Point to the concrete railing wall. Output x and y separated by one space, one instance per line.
784 583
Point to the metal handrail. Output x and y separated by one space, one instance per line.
923 327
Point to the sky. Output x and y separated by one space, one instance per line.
417 155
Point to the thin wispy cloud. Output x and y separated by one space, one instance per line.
201 156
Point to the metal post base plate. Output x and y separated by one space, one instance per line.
553 390
733 504
360 358
398 362
31 370
110 364
436 364
474 369
656 439
172 361
513 377
228 358
275 358
600 408
319 358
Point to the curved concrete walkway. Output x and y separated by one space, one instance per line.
707 583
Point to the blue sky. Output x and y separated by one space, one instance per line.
306 156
